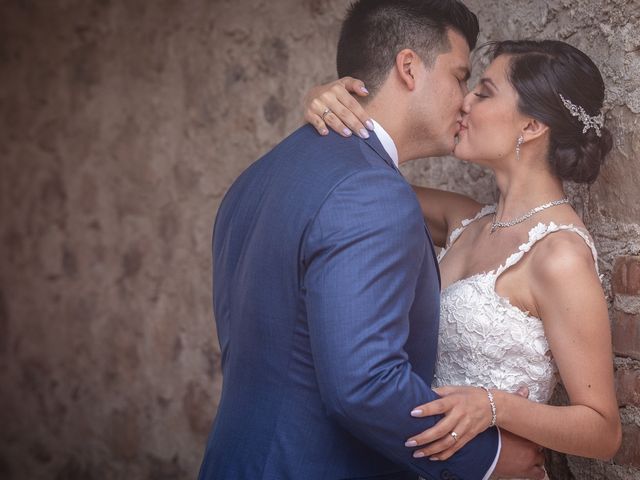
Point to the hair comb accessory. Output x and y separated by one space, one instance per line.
596 122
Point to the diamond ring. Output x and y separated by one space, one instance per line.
455 436
325 113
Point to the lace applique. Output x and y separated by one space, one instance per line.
486 341
540 231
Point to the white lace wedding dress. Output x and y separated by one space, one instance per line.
484 340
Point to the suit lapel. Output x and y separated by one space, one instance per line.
433 254
374 143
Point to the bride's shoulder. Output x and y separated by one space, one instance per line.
564 280
565 255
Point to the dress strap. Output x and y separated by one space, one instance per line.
539 232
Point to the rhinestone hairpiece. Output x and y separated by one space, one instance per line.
589 121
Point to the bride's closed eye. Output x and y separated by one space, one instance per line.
480 95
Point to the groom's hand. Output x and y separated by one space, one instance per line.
519 458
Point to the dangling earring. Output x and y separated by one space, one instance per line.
518 143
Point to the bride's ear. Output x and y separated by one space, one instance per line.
534 129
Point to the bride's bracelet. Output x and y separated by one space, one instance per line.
492 404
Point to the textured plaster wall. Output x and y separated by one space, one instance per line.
122 124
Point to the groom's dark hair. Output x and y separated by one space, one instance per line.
374 31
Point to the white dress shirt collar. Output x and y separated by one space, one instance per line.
386 141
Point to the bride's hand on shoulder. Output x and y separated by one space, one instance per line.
332 106
467 412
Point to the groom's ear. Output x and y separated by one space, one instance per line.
406 66
534 129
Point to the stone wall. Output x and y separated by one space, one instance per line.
122 125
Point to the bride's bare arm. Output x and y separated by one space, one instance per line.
571 303
569 299
442 210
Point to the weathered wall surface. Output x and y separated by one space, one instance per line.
608 32
122 125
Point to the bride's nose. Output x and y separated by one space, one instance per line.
466 103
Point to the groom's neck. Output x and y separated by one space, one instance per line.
390 118
393 111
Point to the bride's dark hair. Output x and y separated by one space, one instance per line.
541 71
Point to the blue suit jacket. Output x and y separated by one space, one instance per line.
326 299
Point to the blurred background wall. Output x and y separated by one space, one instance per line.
122 124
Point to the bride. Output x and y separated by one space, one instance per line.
521 302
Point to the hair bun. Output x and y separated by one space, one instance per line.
580 161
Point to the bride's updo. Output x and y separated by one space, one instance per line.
545 72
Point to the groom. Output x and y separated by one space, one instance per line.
326 286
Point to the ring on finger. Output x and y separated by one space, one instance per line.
326 112
454 435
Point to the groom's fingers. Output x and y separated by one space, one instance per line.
538 473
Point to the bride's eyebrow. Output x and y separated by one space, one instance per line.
488 81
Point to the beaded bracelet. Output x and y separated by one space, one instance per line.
492 404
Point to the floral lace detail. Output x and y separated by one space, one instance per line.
538 233
486 341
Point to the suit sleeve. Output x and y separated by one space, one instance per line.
363 254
